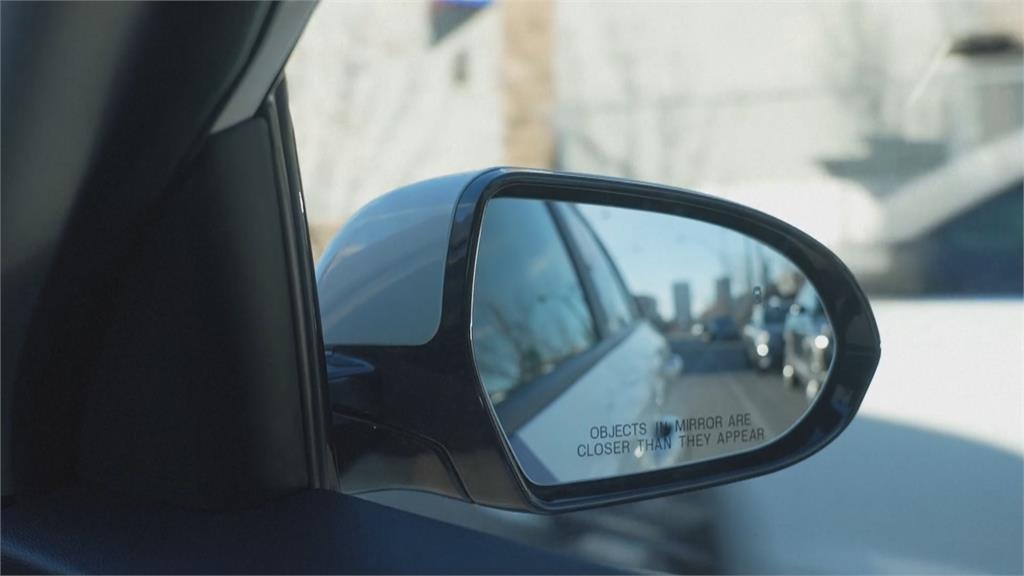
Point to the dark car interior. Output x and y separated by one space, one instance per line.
154 246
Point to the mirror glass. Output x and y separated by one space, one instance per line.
613 341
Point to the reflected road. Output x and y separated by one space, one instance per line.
770 403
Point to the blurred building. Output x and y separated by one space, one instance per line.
681 299
723 296
859 98
813 112
648 306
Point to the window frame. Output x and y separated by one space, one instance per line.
562 212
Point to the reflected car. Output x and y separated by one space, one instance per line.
721 328
807 341
762 335
580 338
968 245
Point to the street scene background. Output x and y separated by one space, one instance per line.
890 131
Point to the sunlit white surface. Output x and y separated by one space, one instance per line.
953 366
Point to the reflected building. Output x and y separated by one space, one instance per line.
648 306
723 295
681 299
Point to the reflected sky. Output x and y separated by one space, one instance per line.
653 251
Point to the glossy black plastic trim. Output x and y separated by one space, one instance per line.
312 381
434 390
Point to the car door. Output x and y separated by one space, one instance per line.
163 368
579 348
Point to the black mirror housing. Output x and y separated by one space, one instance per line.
411 412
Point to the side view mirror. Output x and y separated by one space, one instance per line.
526 340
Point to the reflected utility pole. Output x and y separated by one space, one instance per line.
528 83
